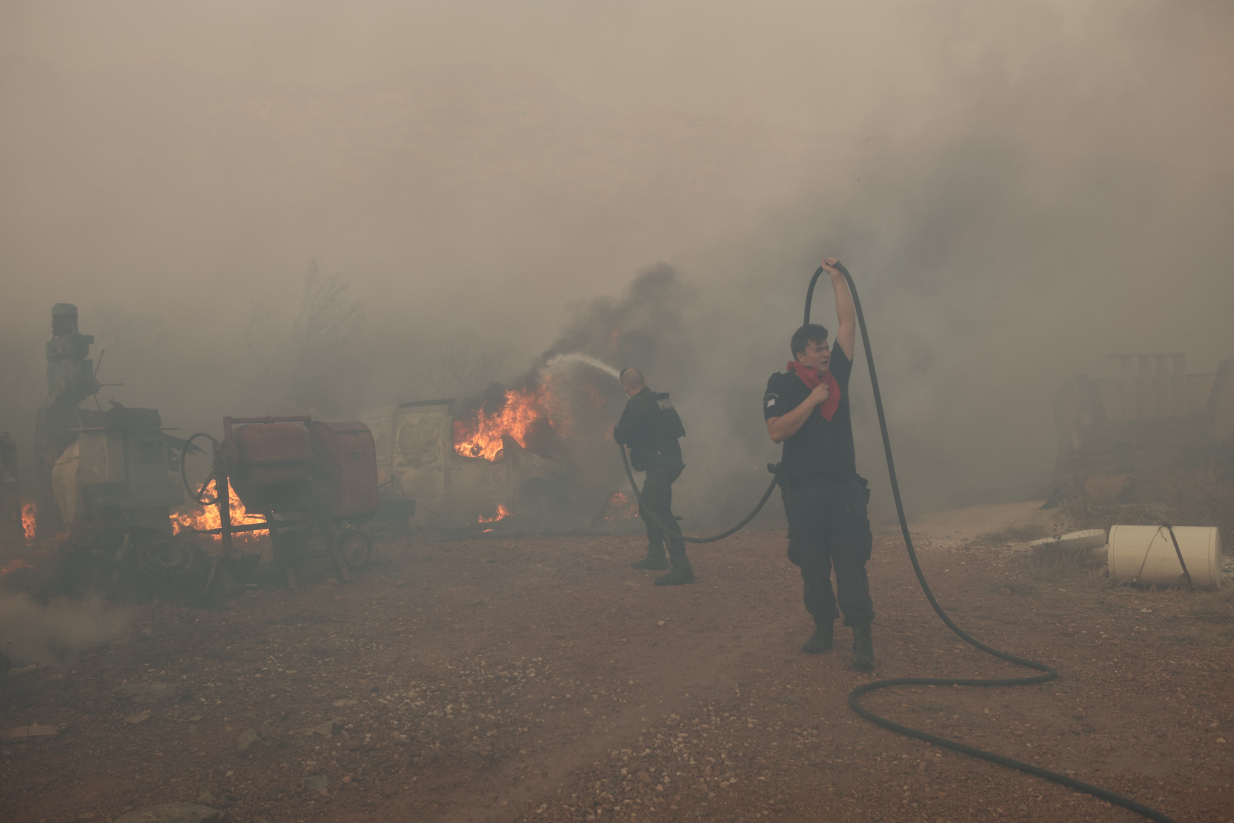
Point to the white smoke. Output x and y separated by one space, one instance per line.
34 633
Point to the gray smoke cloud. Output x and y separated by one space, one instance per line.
32 632
1019 191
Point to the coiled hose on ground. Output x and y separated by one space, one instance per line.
1048 673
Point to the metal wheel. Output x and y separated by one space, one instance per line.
167 558
170 565
356 548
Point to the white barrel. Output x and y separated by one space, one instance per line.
1146 555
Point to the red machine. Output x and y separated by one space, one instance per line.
299 474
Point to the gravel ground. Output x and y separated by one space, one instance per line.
542 679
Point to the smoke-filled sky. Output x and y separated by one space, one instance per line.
1019 188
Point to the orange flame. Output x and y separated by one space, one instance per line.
481 436
14 566
620 507
502 514
208 517
27 520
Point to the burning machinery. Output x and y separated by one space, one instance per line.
104 479
114 490
299 475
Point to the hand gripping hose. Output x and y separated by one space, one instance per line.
1047 672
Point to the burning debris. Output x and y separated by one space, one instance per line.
15 566
502 514
620 507
206 518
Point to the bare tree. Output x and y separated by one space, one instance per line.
319 363
462 365
331 359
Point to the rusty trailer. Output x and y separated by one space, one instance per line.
299 475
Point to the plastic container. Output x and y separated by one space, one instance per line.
1146 555
1076 541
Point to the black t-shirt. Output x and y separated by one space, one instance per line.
821 450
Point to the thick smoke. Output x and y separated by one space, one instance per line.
1019 190
647 326
35 633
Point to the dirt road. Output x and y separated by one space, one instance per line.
545 680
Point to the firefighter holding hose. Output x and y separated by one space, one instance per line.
807 410
650 426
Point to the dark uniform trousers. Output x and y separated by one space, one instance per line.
658 495
828 528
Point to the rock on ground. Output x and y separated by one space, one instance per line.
173 813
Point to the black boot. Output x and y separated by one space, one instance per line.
681 574
822 639
863 648
655 559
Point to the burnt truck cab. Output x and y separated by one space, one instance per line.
421 473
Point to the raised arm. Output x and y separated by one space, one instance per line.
846 334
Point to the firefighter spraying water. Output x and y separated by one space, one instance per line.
651 427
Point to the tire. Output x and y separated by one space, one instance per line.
168 566
356 548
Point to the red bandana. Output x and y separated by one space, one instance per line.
811 378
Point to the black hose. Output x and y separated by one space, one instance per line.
1048 672
1178 551
198 496
674 529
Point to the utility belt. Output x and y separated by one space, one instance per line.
665 456
824 482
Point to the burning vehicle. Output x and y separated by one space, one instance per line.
537 456
451 471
